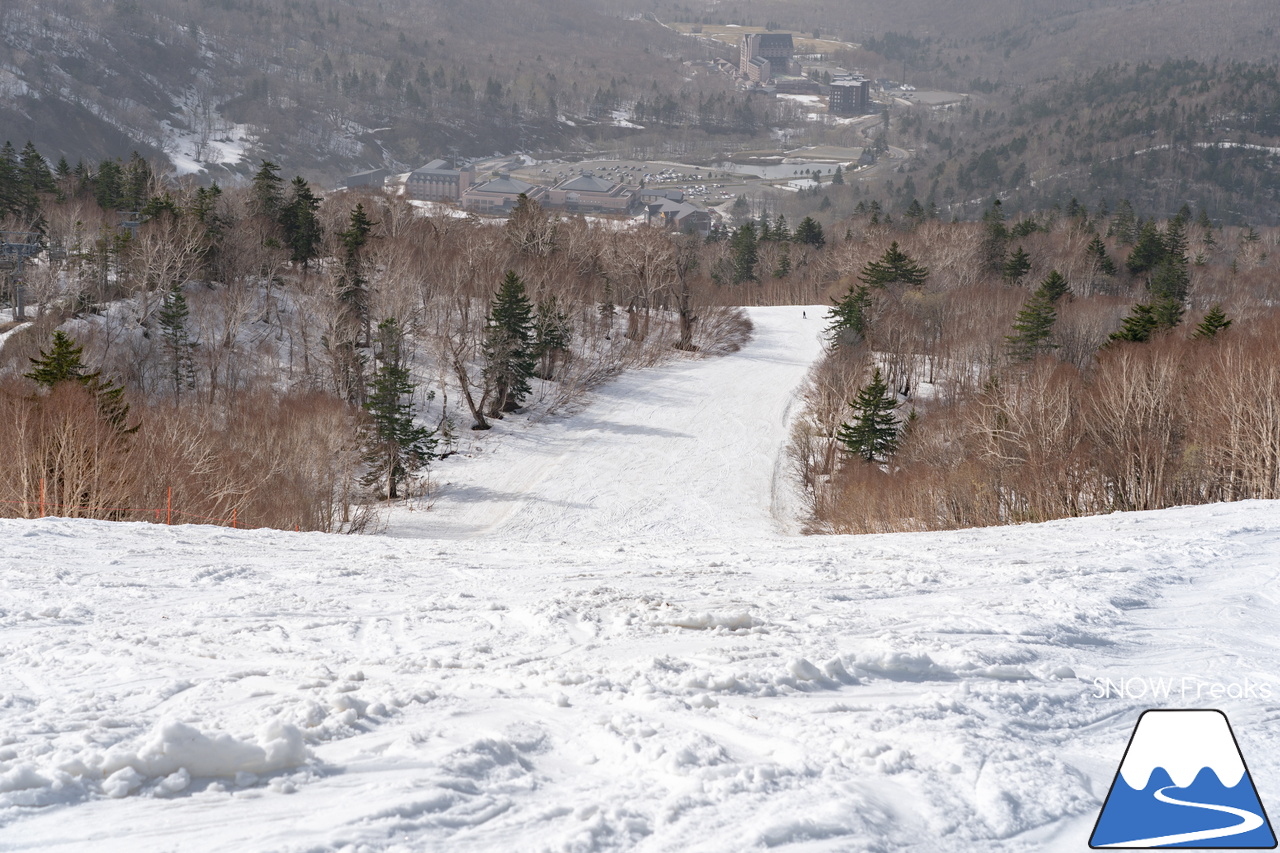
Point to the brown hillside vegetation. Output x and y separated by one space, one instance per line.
1090 425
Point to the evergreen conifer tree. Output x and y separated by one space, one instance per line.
301 225
1054 286
809 232
873 431
1215 321
893 266
766 234
354 293
1017 266
849 316
1098 251
552 332
781 232
1149 250
1124 225
783 268
12 195
176 341
837 177
36 177
745 253
508 346
995 238
64 363
1032 328
135 183
108 185
395 448
268 190
1139 326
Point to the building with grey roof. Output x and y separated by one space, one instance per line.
500 194
590 194
437 181
678 216
373 178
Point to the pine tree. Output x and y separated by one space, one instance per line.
745 253
1215 321
1098 251
1138 327
268 191
301 225
354 292
36 178
1171 279
1032 328
64 363
394 447
1054 286
762 227
783 269
552 332
1017 266
809 232
893 266
1167 312
11 189
135 183
849 316
108 186
781 232
995 238
838 176
176 341
1148 252
873 431
508 346
1124 225
915 213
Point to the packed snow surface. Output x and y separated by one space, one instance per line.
603 634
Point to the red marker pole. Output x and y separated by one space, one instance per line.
168 507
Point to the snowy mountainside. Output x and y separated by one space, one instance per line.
487 688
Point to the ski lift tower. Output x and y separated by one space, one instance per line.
15 248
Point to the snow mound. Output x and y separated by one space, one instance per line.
174 746
711 621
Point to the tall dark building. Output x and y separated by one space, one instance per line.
849 97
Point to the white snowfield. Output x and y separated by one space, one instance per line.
602 637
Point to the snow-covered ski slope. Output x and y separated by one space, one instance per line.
692 450
537 682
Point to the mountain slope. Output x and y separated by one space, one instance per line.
691 450
210 689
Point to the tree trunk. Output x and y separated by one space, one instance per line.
476 411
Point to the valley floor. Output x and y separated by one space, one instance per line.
604 635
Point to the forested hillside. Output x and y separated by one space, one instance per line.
333 85
1011 371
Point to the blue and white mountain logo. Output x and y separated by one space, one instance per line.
1183 783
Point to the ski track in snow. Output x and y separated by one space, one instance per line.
619 648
